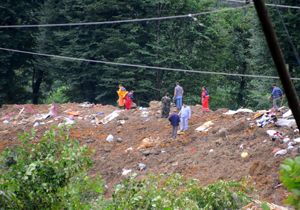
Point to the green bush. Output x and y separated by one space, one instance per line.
173 192
57 96
290 177
48 174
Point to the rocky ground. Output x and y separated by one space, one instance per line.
141 143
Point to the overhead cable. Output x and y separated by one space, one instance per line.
122 21
142 66
271 5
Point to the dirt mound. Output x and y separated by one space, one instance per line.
141 136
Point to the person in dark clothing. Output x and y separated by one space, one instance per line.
166 104
174 120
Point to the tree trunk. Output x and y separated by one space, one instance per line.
37 78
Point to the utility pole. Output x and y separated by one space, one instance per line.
278 59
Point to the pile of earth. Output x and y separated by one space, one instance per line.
138 141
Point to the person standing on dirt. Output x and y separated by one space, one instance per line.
166 104
276 96
128 100
178 95
121 93
174 120
205 99
185 114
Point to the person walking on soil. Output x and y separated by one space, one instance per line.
166 104
276 97
174 120
178 95
205 99
121 93
185 114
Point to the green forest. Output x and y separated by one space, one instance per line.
228 41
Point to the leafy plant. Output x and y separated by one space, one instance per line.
290 177
173 192
48 174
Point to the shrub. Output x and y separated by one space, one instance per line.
290 177
173 192
48 174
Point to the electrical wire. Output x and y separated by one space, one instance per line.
271 5
141 66
122 21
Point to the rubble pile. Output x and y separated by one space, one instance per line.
222 144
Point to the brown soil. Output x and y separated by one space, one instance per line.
190 154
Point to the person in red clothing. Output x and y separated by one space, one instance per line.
128 100
205 100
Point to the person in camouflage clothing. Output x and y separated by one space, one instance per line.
166 104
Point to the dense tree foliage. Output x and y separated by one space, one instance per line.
230 42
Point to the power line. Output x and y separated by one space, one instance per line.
142 66
271 5
122 21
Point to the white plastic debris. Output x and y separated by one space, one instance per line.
297 140
142 166
280 153
5 121
286 139
86 105
110 138
232 112
296 130
211 150
290 147
122 122
36 124
242 146
145 114
286 123
129 149
69 121
126 171
287 114
271 132
111 116
204 127
292 143
244 154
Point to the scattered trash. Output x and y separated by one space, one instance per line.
129 149
73 113
86 105
142 166
296 130
244 154
266 119
126 171
68 121
280 153
145 114
36 124
111 116
292 143
122 122
290 147
231 112
275 135
99 113
287 114
241 146
297 140
286 123
286 140
211 150
110 138
5 121
119 139
205 127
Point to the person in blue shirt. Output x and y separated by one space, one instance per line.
174 120
178 94
276 96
